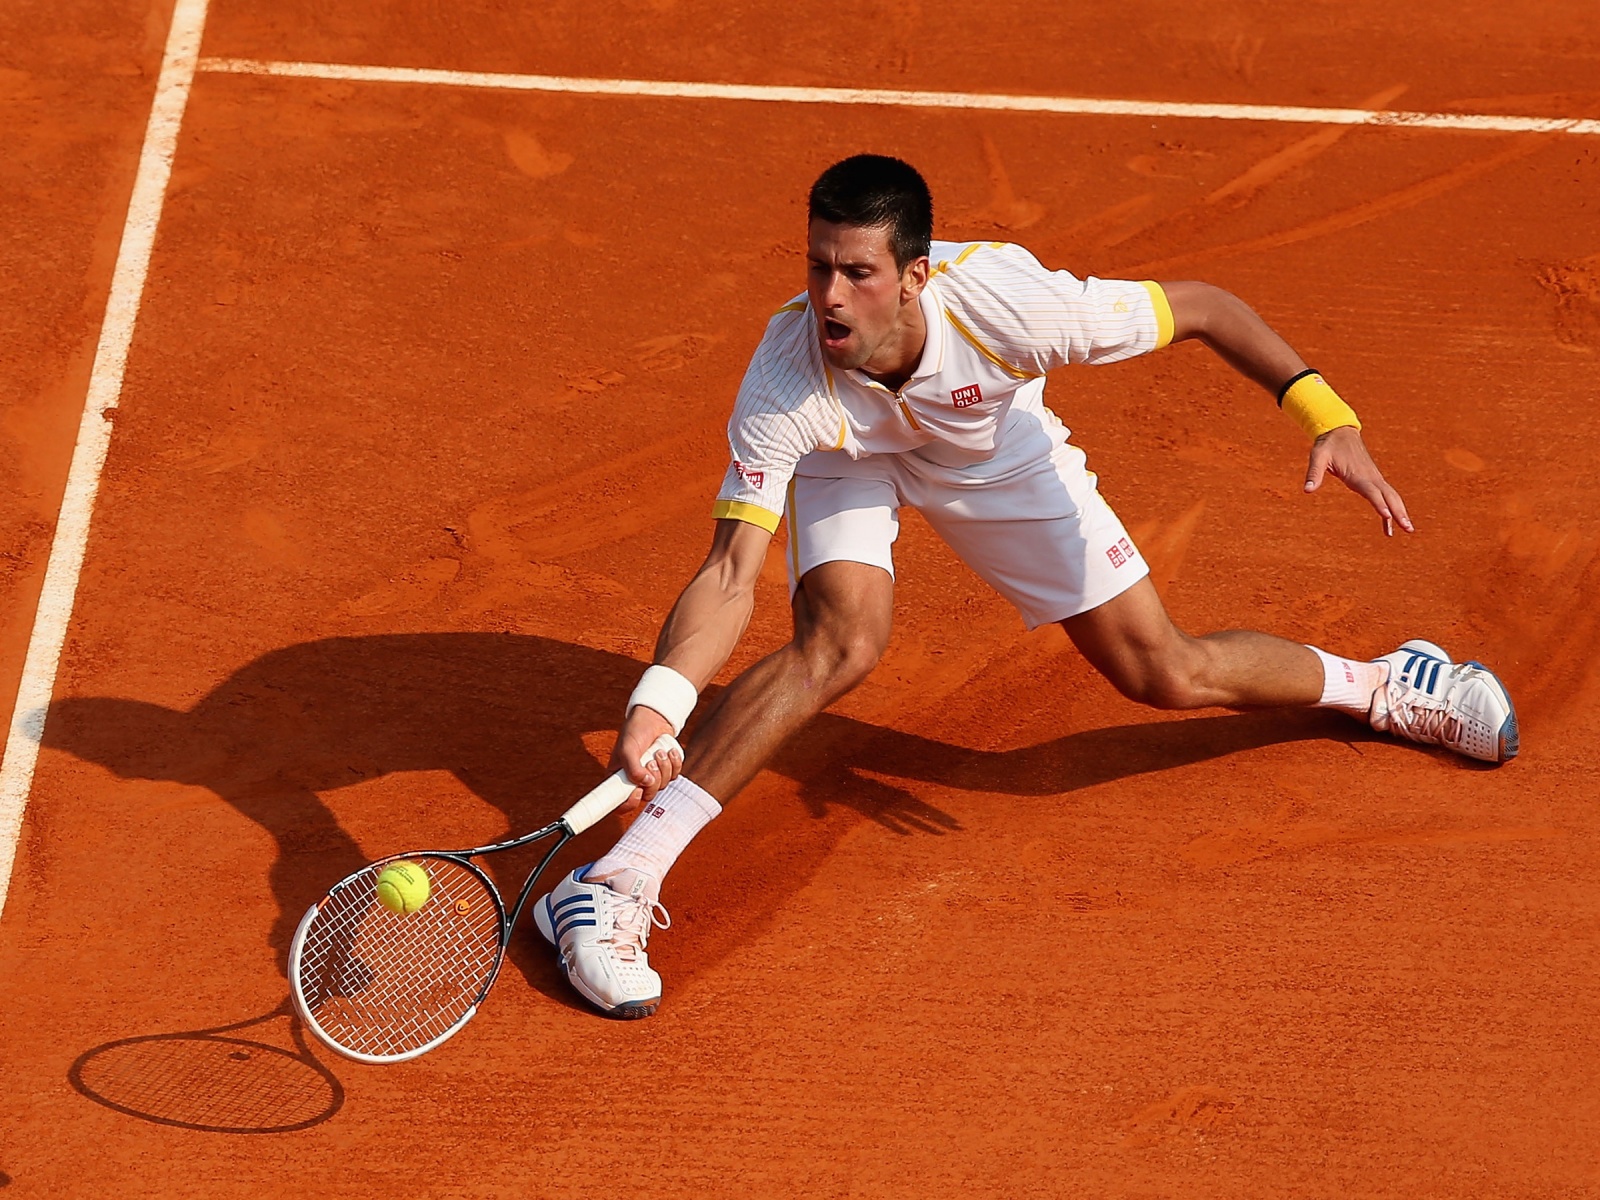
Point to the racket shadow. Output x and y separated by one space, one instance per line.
212 1080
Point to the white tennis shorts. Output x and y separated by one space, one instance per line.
1034 527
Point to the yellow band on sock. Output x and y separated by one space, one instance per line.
1315 406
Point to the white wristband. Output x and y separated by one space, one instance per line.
668 692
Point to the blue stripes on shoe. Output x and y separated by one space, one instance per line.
567 926
1416 670
580 898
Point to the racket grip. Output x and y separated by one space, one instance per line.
613 793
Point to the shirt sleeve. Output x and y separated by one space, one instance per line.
1036 319
777 418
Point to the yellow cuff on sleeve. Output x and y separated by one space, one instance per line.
1315 406
1164 325
753 514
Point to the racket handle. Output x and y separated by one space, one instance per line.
613 793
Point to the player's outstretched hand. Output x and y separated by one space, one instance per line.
1342 454
643 726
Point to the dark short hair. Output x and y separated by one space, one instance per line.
869 190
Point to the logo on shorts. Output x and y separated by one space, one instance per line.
753 478
966 397
1122 552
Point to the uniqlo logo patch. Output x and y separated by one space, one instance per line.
753 478
1122 552
966 397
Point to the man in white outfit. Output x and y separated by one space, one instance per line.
911 372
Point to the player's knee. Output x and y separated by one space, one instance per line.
1166 685
838 659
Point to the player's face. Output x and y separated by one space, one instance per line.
857 293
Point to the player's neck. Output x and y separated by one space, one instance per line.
897 357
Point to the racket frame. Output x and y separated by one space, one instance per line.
603 799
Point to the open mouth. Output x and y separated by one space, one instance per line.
834 333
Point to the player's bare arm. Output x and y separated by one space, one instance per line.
1245 342
699 635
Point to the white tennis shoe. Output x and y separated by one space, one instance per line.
1461 706
601 934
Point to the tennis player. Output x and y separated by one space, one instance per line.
912 372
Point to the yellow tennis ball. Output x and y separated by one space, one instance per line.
403 887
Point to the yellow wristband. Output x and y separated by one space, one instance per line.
1315 406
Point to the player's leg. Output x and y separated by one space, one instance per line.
842 614
1052 545
1415 693
1134 644
841 574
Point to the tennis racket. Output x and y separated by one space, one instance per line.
381 987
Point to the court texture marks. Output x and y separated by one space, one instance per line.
364 376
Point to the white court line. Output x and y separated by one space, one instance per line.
94 429
901 99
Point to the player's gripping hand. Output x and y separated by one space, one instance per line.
643 726
1342 454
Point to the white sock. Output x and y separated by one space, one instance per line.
1348 684
664 827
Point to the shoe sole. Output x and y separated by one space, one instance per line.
633 1010
1509 738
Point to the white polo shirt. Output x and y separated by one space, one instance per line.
997 321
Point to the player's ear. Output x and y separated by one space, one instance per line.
913 278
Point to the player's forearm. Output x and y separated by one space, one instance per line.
1231 328
705 625
710 616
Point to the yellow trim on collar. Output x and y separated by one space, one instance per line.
966 254
751 514
1014 372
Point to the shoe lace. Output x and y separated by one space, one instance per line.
1423 721
632 918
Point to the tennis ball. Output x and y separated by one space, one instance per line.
403 887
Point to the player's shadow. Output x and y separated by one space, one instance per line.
503 714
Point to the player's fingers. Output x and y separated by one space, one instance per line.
1370 491
1398 507
1321 456
667 767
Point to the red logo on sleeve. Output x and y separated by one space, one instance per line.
753 478
966 397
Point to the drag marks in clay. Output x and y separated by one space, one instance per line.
1518 146
1538 605
1198 1108
416 587
670 352
1576 288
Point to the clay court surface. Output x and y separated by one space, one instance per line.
417 441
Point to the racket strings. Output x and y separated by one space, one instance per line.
382 983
